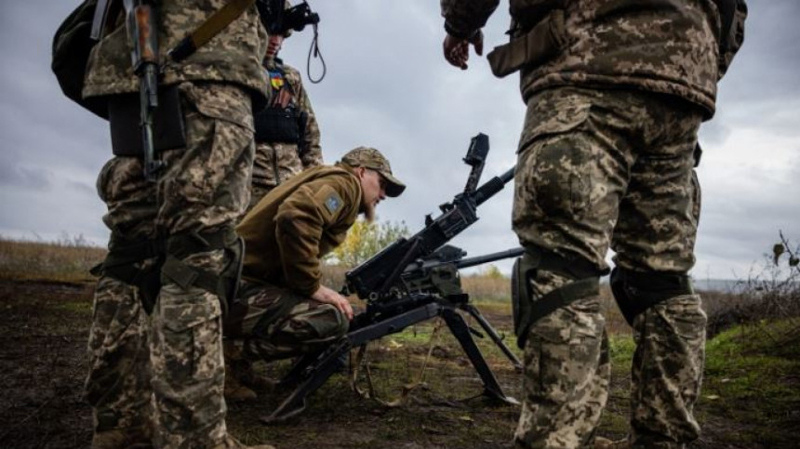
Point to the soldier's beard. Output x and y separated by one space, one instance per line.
369 212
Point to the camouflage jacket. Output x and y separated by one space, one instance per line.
665 46
276 162
289 230
234 55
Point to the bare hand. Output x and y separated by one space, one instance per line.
327 296
456 50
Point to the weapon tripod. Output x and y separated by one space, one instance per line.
388 317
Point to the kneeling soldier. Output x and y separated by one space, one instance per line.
282 309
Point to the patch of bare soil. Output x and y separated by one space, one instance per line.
43 331
43 362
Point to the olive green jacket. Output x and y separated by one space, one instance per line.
289 230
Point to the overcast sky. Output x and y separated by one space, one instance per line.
388 86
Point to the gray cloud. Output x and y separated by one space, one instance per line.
388 86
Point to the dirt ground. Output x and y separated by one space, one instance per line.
43 363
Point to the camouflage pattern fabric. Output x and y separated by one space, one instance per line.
257 193
597 169
275 323
118 386
678 57
276 162
667 373
233 56
566 377
204 188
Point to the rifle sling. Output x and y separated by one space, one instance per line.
209 28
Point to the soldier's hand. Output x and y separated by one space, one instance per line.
328 296
456 50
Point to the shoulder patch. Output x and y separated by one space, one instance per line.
333 202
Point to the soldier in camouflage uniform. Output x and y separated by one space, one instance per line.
287 132
156 381
283 310
616 91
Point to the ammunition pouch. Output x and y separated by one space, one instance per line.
169 130
127 261
532 47
278 125
635 292
225 284
527 308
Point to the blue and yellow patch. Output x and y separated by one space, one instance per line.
276 79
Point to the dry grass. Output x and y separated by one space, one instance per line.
68 260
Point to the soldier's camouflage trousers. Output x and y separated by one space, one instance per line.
257 192
275 323
204 188
600 168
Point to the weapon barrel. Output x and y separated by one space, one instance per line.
492 186
472 261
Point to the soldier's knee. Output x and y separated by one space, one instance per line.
329 323
582 282
638 291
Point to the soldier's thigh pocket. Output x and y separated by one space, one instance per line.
191 334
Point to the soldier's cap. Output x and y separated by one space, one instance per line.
373 159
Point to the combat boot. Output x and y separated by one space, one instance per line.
234 367
235 391
605 443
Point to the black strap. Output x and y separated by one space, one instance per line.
636 292
224 285
564 296
574 267
122 263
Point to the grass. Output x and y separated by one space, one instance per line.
750 396
68 260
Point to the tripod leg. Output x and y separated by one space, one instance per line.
487 327
320 372
460 330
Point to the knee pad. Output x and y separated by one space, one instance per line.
135 262
636 291
224 285
527 307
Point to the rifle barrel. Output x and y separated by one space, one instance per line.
472 261
492 186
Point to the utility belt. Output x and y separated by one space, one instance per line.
148 263
280 125
530 45
169 129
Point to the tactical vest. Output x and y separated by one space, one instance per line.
275 124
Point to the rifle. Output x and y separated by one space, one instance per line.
143 33
410 281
